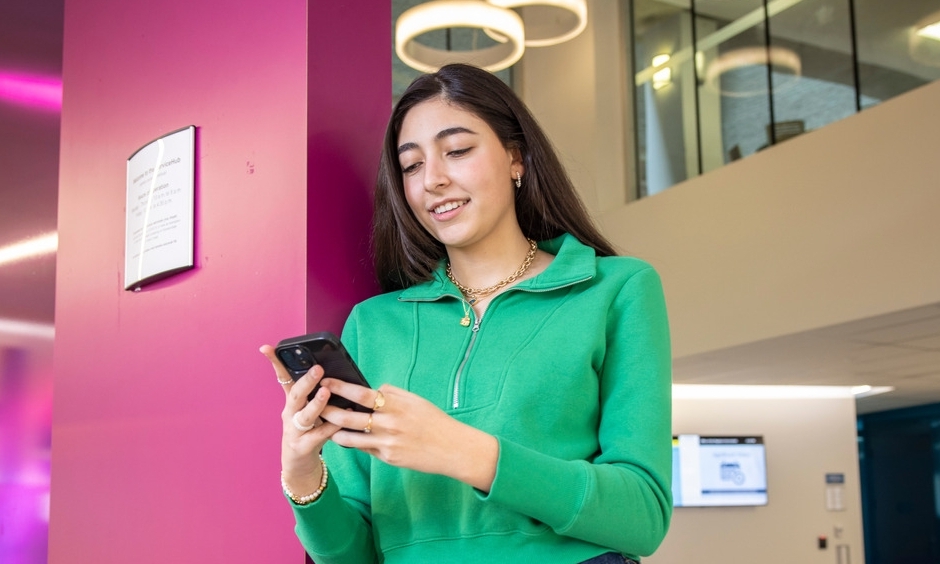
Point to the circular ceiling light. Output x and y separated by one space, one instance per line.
779 58
443 14
547 22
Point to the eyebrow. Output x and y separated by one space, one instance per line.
440 135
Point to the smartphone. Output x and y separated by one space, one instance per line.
300 354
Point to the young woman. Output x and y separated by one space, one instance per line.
520 371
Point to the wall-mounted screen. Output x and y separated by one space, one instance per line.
709 471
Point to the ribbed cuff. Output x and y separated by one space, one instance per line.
540 486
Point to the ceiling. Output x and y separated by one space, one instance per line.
900 349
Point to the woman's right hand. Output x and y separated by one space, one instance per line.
300 462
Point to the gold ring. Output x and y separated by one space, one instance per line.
368 428
379 401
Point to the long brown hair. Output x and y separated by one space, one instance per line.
547 204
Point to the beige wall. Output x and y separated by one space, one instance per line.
805 439
834 226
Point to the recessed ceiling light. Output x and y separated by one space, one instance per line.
29 330
698 391
37 246
42 92
866 391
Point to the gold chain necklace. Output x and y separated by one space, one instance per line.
475 294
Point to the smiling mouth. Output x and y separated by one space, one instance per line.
443 208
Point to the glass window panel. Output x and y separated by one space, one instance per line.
764 71
813 77
734 103
892 57
665 105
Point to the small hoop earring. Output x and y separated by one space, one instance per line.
518 179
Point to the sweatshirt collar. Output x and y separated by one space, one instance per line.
574 262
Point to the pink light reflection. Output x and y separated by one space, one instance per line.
40 92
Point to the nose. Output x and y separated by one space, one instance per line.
435 174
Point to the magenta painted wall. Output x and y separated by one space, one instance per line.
350 99
165 417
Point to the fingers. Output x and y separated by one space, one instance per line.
308 416
283 377
305 430
304 435
366 397
367 423
351 420
300 390
297 390
346 418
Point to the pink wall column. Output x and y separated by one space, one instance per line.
165 423
350 99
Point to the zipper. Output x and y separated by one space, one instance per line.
466 357
476 328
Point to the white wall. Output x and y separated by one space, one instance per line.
805 439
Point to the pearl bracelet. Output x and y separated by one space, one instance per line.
309 498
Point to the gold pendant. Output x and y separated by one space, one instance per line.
465 321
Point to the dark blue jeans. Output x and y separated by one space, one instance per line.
610 558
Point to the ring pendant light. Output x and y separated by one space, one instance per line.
776 57
443 14
559 21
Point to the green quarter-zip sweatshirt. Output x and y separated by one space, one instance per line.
570 370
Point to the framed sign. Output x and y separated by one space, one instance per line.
158 237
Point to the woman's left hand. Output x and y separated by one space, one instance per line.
410 432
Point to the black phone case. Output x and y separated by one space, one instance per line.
300 354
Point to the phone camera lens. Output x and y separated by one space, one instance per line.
303 358
297 358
